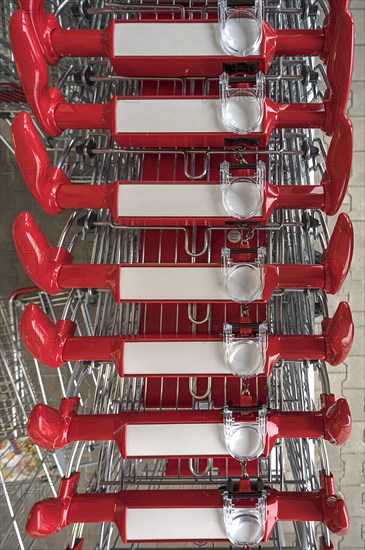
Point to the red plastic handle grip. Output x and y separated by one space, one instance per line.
48 268
40 260
54 343
44 24
336 6
338 256
335 513
48 427
33 73
339 334
337 419
340 64
47 184
45 340
338 165
50 515
56 42
333 345
42 179
50 186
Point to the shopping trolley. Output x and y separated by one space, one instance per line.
242 40
289 237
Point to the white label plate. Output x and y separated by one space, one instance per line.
172 283
170 200
175 524
180 358
167 39
158 440
159 116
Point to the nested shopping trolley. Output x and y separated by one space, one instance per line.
186 318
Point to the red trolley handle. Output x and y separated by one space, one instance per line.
52 428
54 344
56 42
52 270
51 515
54 192
340 66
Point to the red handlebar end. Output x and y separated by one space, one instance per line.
340 66
41 261
33 73
44 24
337 7
336 178
49 516
42 179
45 339
338 422
46 518
339 334
338 256
48 427
337 516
